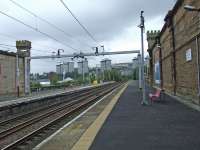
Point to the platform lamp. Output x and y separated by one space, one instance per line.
194 9
191 8
142 27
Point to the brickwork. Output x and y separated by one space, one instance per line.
179 34
187 73
151 38
156 59
186 26
167 75
8 75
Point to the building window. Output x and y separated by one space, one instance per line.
157 73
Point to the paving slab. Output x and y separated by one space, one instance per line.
169 125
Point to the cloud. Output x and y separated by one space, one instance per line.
112 22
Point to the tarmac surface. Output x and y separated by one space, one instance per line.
167 125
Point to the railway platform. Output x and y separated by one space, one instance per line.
162 126
123 123
37 95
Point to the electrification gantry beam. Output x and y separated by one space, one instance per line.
81 55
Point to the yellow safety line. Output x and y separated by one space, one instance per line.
88 137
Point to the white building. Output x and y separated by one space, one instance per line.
59 69
83 67
68 67
106 64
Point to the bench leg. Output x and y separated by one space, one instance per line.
151 101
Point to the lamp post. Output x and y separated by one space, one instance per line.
139 69
59 52
144 101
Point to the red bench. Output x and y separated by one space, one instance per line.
155 96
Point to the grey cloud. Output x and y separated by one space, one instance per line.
105 19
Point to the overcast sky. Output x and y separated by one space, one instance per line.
113 23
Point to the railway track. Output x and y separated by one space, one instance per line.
22 117
25 128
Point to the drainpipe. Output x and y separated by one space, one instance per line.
160 62
198 71
174 54
198 66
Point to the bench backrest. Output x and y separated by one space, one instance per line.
157 93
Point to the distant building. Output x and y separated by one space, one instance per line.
97 71
83 67
146 60
125 69
174 53
8 73
136 61
68 67
106 64
59 69
44 82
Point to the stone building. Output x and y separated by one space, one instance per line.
8 71
176 51
154 74
59 69
66 67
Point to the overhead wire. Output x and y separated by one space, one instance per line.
7 36
37 30
47 22
15 38
7 45
6 48
82 26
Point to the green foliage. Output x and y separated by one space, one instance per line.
35 85
112 75
92 77
54 79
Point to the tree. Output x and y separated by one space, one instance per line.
53 77
92 77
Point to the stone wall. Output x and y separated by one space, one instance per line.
8 75
152 37
156 58
186 28
181 75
